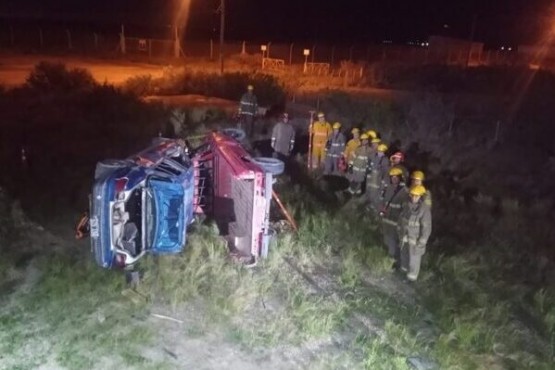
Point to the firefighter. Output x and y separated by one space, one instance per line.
352 144
374 144
283 138
335 147
396 160
374 182
417 178
372 134
394 197
373 151
415 227
248 107
319 133
358 166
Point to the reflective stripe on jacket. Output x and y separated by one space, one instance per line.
393 200
336 145
379 165
350 148
415 224
320 133
248 104
360 161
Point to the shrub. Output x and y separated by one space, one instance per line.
139 85
268 89
49 77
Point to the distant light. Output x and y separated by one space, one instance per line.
502 48
510 49
306 52
427 44
263 47
423 44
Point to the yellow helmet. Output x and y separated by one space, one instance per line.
336 125
382 148
364 137
417 190
372 134
250 87
355 130
395 171
321 115
376 140
417 175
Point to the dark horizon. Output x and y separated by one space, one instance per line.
351 21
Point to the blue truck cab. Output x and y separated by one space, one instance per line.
142 204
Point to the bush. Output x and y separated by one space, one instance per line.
50 77
268 89
139 85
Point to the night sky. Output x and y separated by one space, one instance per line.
348 21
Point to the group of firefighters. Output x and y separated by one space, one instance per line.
404 208
401 202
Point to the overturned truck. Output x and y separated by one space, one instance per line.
145 203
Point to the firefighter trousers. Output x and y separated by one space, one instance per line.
411 258
331 165
318 154
391 240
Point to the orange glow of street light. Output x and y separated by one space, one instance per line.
182 13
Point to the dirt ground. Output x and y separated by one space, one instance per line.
14 69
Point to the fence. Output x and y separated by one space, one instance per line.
58 38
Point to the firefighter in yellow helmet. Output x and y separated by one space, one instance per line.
417 178
395 195
358 165
374 144
379 171
415 227
335 147
352 144
371 134
373 151
319 132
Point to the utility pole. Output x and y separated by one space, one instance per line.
472 31
222 32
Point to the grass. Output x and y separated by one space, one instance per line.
324 281
73 314
475 305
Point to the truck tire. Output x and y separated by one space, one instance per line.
271 165
236 133
108 165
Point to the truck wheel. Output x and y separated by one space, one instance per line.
271 165
108 165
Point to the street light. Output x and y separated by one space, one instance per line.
263 48
306 53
